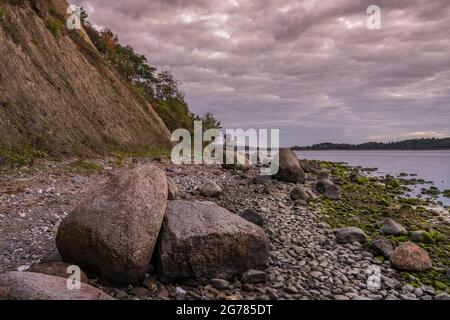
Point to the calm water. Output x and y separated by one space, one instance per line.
428 165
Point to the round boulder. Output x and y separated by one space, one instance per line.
350 235
410 257
289 167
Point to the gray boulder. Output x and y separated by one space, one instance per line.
203 240
392 228
36 286
290 169
350 235
323 174
113 232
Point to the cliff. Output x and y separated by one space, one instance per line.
58 94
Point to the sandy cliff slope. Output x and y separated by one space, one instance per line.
58 94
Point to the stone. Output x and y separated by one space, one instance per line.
112 233
37 286
382 247
261 179
253 216
298 193
151 284
323 174
220 284
410 257
392 228
350 235
442 296
57 269
172 190
421 236
139 292
203 240
254 277
327 187
210 189
289 167
53 256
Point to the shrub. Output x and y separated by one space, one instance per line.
55 26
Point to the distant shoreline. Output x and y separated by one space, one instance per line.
306 149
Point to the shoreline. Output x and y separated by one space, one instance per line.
305 261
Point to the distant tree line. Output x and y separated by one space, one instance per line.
414 144
159 87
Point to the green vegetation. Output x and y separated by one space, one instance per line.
55 26
415 144
20 156
365 204
84 167
160 88
446 193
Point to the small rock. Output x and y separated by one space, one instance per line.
150 284
121 295
382 246
350 235
254 276
253 216
140 292
298 193
392 228
421 236
211 189
291 290
442 296
220 284
323 174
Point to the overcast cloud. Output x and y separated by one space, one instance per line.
310 68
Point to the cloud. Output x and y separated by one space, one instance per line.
311 68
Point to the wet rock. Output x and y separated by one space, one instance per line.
201 239
382 247
253 216
210 189
289 167
392 228
410 257
350 235
36 286
113 232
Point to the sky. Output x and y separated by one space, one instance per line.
311 68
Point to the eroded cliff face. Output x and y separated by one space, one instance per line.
59 94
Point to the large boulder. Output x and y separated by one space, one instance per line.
410 257
289 167
35 286
349 235
112 234
203 240
392 228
